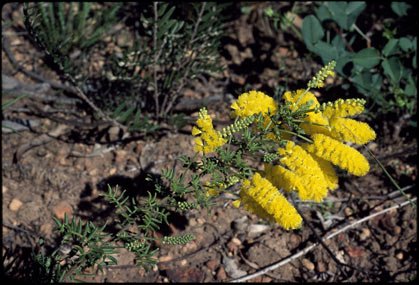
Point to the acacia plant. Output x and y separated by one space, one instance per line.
299 141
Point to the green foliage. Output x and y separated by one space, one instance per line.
384 74
81 247
68 31
153 61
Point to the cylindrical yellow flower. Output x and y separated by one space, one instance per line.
259 196
328 172
348 130
294 97
343 108
338 153
209 139
252 103
306 187
320 121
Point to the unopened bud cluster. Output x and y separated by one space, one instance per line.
269 157
326 71
184 206
237 126
180 240
132 246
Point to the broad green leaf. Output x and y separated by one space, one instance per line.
337 10
312 30
392 67
345 13
410 90
344 65
364 79
400 8
353 10
339 44
323 13
405 43
391 47
326 51
368 58
377 81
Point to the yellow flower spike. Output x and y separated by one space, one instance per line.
303 164
328 172
293 97
339 154
306 187
196 131
349 130
209 138
252 103
314 122
262 198
343 108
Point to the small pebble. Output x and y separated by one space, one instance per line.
366 233
15 205
61 209
308 264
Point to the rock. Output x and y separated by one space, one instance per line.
241 224
355 252
46 229
295 239
321 266
236 241
399 256
121 156
93 172
61 209
212 264
112 171
3 189
15 205
308 264
114 133
221 274
366 233
257 229
232 247
165 258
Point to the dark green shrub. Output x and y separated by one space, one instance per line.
383 73
166 45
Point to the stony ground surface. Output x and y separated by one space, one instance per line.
54 168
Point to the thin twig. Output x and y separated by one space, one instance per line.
307 249
75 89
156 56
36 76
337 30
313 230
362 34
189 62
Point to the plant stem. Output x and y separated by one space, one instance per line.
156 91
189 62
362 34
